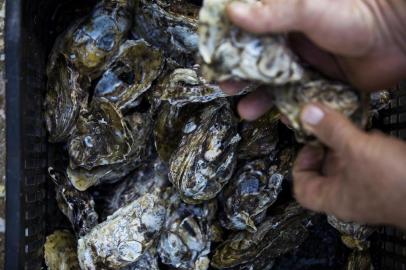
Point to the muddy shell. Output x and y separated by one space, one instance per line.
170 25
276 235
148 261
206 157
186 240
125 236
130 74
60 251
259 138
251 191
77 206
354 235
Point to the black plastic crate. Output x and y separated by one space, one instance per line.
31 28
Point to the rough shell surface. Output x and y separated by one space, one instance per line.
125 236
76 205
148 261
170 25
250 192
354 235
275 236
130 74
186 240
206 157
359 260
60 251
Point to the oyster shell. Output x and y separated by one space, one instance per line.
102 137
231 53
66 95
77 206
130 73
150 177
80 54
260 137
171 25
148 261
185 242
380 100
168 128
275 236
250 192
186 85
124 237
206 157
60 251
354 235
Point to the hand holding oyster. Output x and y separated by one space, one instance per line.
230 53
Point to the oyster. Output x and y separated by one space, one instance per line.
359 260
168 128
77 206
249 193
231 53
380 100
102 137
171 25
186 85
150 177
124 237
206 157
148 261
185 242
79 55
275 236
259 137
130 74
354 235
60 251
66 95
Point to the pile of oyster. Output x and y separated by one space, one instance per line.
153 168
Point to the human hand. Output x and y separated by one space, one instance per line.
357 177
359 41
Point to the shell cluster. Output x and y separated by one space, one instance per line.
152 167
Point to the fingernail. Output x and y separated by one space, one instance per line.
239 8
312 115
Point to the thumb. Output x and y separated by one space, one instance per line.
331 127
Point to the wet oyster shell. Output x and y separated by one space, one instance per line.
150 177
102 137
354 235
380 100
251 191
231 53
77 206
169 126
186 240
60 251
206 157
66 95
275 236
186 85
259 138
130 74
124 237
170 25
148 261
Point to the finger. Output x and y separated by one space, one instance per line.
233 87
318 58
330 127
255 104
308 184
325 22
